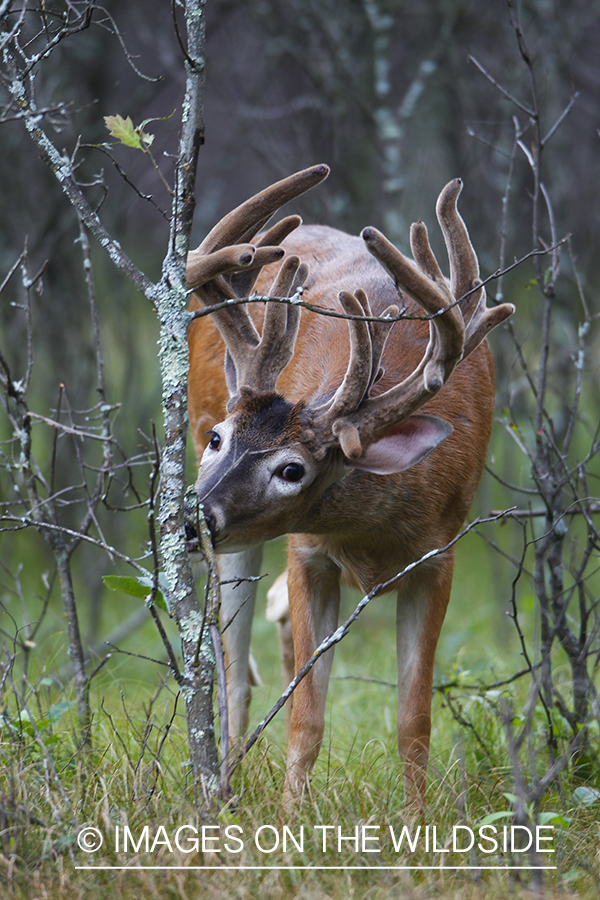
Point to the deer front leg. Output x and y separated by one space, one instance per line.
237 610
420 612
314 597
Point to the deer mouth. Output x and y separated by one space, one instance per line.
192 539
193 542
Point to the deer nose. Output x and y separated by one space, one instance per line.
191 532
211 522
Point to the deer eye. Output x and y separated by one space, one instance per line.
215 440
292 472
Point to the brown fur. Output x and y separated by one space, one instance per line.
365 527
267 419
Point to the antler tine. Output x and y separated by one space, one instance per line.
236 327
367 340
464 265
202 267
358 373
429 289
278 232
464 271
482 322
446 330
279 317
379 335
244 221
243 282
260 365
264 363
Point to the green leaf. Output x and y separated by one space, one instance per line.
124 131
133 586
585 796
574 875
493 817
553 818
138 587
59 709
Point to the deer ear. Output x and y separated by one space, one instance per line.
405 445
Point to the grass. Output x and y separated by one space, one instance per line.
135 776
354 786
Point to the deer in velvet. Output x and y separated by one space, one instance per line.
315 430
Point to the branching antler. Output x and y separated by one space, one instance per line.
356 419
226 266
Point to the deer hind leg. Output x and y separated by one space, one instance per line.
314 596
278 611
237 609
421 608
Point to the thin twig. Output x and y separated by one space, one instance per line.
400 317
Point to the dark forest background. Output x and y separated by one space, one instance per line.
385 92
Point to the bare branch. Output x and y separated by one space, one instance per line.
503 91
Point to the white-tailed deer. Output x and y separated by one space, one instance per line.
313 432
